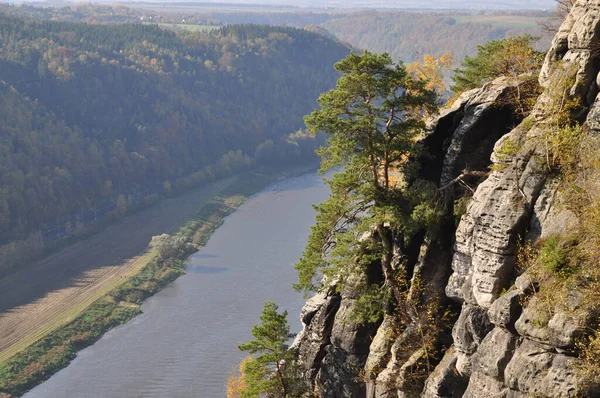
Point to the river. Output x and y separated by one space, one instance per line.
185 342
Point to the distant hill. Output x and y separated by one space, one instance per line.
399 4
96 116
408 36
403 34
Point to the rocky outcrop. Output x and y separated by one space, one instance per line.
317 316
503 342
332 346
528 352
337 352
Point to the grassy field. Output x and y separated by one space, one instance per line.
50 334
70 309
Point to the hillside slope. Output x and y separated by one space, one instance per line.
408 36
99 119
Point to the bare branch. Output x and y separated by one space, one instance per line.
465 173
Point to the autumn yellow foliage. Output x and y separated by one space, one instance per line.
236 382
432 69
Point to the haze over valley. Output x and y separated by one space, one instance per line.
294 199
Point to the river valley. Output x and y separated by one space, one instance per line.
185 342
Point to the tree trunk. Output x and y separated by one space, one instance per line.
386 260
281 379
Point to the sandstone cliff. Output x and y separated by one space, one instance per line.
493 345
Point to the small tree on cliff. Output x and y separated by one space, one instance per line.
274 371
372 118
510 57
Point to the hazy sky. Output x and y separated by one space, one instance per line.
454 4
404 4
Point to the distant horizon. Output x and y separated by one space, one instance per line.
354 4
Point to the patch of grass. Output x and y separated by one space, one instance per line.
554 257
589 353
504 154
562 147
528 123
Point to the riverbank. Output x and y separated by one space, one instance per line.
55 351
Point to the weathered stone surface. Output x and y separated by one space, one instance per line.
396 380
380 347
499 348
468 332
487 235
445 381
525 283
474 138
593 117
389 381
390 366
561 379
338 374
341 368
561 329
527 367
431 267
350 336
317 319
533 322
534 371
515 199
573 43
560 45
549 216
494 353
481 385
565 328
505 311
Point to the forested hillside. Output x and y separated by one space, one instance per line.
407 36
98 116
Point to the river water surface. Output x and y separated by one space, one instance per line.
185 342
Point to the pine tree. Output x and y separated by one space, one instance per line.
509 57
372 117
274 371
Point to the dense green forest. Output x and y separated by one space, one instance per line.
99 116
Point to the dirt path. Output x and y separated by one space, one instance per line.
54 290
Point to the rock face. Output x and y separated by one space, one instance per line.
336 351
501 344
520 356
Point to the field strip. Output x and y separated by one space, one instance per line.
23 326
55 290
